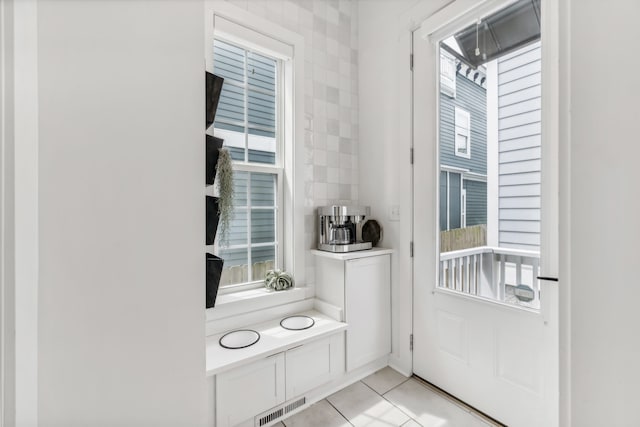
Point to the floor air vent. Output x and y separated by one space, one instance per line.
277 413
295 405
270 417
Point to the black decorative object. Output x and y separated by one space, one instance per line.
213 145
213 216
371 232
213 90
214 271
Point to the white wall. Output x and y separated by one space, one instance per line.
7 217
385 172
121 211
599 215
26 211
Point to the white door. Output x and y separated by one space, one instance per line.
500 358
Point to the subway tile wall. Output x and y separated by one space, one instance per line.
330 30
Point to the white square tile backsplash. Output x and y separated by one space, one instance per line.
330 30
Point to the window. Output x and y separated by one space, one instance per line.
250 120
463 133
261 118
448 73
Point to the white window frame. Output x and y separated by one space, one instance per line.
462 129
463 204
232 24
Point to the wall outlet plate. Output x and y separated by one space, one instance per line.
394 213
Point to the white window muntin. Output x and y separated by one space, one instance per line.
462 137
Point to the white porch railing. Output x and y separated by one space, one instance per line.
491 273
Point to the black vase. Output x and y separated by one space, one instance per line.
213 146
213 90
213 216
214 271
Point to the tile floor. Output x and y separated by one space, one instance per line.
386 399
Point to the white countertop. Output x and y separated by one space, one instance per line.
352 255
273 339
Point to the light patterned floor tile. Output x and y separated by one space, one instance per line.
384 380
430 409
320 414
364 407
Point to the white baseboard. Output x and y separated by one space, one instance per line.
401 369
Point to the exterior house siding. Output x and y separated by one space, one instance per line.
471 97
519 137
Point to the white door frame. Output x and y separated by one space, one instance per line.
19 211
7 342
439 23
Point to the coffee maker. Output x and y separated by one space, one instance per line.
341 228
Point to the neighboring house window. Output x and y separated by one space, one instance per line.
463 133
452 201
447 73
249 120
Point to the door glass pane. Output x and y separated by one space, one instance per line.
489 145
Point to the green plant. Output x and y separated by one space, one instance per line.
278 280
226 192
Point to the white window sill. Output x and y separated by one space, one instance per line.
244 302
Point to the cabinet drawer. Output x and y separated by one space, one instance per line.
249 390
314 364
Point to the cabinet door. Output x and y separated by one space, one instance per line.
368 309
314 364
249 390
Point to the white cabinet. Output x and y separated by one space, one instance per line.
360 284
312 365
368 309
250 390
